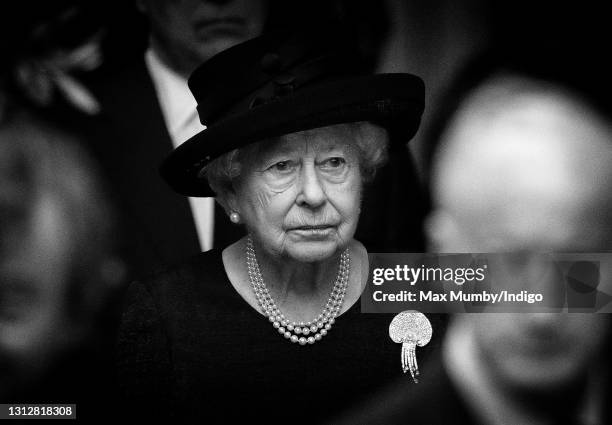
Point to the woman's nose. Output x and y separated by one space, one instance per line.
311 192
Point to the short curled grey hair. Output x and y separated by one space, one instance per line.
370 140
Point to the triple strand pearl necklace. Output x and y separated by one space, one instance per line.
302 332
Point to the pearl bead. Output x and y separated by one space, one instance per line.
313 328
294 338
332 321
302 341
290 327
306 331
298 330
318 337
276 325
281 330
311 340
287 334
323 332
327 326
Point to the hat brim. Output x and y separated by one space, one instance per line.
391 100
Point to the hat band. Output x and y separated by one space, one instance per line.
280 86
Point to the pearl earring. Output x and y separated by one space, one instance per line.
234 217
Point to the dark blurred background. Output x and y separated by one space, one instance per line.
430 38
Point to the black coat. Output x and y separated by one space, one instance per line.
191 349
433 401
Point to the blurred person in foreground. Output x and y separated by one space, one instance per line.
147 110
523 163
268 328
58 270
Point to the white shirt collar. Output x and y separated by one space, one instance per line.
180 115
177 103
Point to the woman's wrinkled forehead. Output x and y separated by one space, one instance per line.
318 140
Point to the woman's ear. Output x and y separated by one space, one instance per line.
229 201
233 209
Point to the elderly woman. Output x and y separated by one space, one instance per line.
269 327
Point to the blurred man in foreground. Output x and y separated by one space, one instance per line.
523 164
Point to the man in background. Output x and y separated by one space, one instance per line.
147 110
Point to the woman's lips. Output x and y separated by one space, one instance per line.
314 232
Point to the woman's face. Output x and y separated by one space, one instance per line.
300 196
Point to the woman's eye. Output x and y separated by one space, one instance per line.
282 166
332 163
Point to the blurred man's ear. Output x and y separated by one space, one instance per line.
442 232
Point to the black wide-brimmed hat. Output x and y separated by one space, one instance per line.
279 84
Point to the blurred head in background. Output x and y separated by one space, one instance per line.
57 268
523 165
185 33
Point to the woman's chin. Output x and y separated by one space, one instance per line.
311 252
